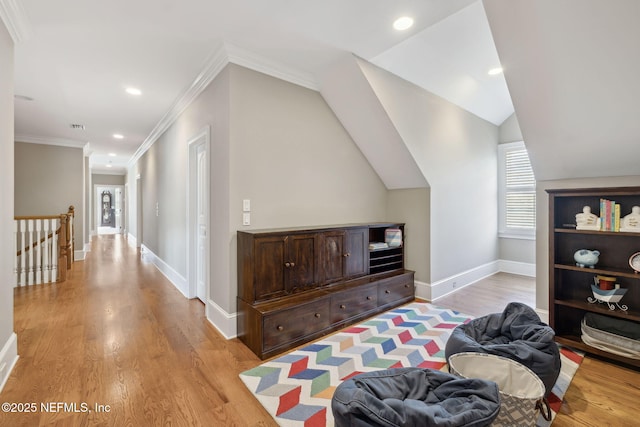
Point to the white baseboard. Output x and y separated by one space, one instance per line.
224 322
132 241
460 280
515 267
87 247
432 291
79 255
8 358
543 314
174 277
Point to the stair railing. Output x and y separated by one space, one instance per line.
44 248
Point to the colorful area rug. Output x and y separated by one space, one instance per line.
296 388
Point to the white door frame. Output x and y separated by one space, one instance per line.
97 189
201 138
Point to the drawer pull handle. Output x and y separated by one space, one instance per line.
287 264
293 264
280 328
369 298
346 255
342 306
317 315
406 286
387 291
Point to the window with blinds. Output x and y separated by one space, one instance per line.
517 191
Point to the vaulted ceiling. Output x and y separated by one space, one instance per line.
76 58
570 66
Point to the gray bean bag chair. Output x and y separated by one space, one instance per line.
414 397
518 334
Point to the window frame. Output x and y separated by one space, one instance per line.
503 230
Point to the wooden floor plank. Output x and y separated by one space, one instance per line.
118 333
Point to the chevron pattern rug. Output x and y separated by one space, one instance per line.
296 388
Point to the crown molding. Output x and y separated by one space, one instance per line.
213 66
272 68
61 142
15 20
224 54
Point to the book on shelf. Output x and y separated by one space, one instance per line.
609 215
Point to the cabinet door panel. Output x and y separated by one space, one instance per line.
357 248
333 254
303 255
269 267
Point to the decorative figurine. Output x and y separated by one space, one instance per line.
631 222
586 258
586 220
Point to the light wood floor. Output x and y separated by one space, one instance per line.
118 333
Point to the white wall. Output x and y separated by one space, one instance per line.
8 340
457 154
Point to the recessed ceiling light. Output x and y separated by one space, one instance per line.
495 71
118 136
403 23
109 165
133 91
112 154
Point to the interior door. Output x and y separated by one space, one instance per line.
201 224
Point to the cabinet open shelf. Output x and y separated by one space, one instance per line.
570 284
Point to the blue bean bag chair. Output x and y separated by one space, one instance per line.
518 334
414 397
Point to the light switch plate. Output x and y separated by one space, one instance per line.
246 205
246 218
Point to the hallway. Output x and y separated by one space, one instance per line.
118 334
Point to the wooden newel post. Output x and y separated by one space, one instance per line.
71 244
62 249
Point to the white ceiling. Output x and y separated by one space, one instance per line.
76 57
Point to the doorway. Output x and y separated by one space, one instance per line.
198 215
108 209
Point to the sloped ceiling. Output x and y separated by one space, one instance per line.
572 70
73 58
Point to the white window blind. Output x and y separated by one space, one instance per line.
517 191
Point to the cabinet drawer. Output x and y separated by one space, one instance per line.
351 303
395 288
290 324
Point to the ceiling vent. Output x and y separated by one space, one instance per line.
76 126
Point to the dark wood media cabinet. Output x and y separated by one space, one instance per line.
297 285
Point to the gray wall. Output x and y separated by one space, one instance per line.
103 179
48 179
273 142
7 249
513 249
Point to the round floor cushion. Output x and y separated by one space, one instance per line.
414 397
518 334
